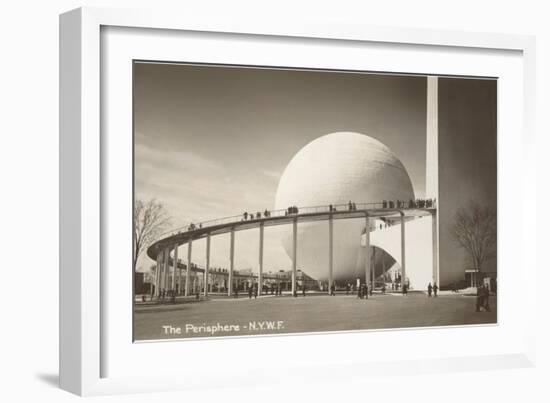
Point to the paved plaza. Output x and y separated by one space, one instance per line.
313 313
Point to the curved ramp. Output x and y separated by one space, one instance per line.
418 248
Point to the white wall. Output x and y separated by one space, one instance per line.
28 166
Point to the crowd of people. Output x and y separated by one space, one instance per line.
351 206
275 289
266 214
291 210
193 227
364 290
417 203
272 289
168 296
255 216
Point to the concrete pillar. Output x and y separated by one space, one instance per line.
261 259
384 266
367 251
373 272
161 272
166 268
180 277
207 266
158 273
175 267
188 270
403 266
294 253
231 262
330 251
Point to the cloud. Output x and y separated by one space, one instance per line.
195 188
270 174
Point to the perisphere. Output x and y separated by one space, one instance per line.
335 169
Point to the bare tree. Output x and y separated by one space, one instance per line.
150 219
475 229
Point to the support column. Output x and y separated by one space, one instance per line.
294 253
175 266
158 273
207 266
330 251
403 270
180 278
188 269
166 268
384 266
373 272
261 260
231 262
367 251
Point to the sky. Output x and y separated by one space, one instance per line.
213 141
467 160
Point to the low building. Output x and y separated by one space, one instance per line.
141 286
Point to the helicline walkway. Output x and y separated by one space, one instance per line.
160 251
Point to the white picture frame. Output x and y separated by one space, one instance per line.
84 180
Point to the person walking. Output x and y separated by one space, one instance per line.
479 298
404 289
436 288
383 288
486 295
249 292
429 289
304 290
332 289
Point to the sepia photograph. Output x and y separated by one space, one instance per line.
273 201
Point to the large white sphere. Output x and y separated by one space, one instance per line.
334 169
